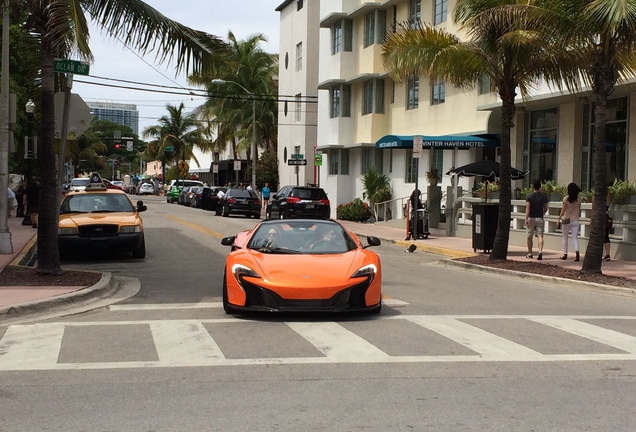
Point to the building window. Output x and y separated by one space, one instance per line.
336 37
412 93
415 13
410 173
438 161
438 93
484 84
373 97
440 11
390 160
540 146
340 101
342 36
369 29
299 4
338 161
299 56
371 158
298 107
615 142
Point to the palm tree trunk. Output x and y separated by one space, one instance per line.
48 254
502 236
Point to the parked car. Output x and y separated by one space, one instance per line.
266 264
241 201
184 195
299 202
146 189
173 194
78 184
194 199
112 185
210 197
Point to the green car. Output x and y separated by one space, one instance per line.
173 194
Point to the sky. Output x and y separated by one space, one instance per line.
114 61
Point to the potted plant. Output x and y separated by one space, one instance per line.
432 176
623 192
553 190
488 190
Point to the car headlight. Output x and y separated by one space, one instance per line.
131 229
67 231
239 270
369 270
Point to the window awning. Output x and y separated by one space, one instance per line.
442 141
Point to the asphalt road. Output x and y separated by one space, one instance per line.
452 350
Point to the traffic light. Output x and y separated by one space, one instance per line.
117 146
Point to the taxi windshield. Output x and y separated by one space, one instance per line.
96 203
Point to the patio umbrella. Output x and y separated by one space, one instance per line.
485 168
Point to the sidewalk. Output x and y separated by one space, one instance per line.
24 237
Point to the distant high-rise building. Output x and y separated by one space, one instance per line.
123 114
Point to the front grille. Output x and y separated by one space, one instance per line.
347 299
98 230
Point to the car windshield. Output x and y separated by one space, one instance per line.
241 193
309 194
96 203
301 236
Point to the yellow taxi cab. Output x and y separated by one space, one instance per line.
100 218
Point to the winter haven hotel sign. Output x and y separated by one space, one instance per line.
444 142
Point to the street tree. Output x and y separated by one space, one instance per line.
501 44
62 29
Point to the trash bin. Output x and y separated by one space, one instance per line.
485 217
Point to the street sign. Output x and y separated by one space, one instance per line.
169 148
297 156
296 161
417 147
318 159
183 166
70 66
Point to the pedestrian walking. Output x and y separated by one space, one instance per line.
10 201
265 192
19 196
536 206
31 200
569 219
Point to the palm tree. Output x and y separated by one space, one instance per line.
230 106
602 34
61 27
377 188
501 44
179 131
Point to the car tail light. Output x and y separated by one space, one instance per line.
231 200
257 202
324 201
293 200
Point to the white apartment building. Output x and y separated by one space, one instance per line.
363 119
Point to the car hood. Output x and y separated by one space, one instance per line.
127 218
310 271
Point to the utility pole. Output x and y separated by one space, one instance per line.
6 245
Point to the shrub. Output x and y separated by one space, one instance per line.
620 190
357 211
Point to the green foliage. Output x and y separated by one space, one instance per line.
492 187
552 187
357 211
620 190
377 186
586 195
267 169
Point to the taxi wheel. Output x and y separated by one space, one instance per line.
140 252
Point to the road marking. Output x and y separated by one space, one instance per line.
476 339
605 336
179 342
336 342
34 346
187 343
196 227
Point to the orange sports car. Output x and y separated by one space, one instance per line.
301 265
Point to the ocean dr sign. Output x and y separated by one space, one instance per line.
70 66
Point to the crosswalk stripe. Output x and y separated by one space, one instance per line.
165 306
31 346
605 336
336 342
476 339
183 342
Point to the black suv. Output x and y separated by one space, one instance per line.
240 201
299 202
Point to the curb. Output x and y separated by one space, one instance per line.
106 286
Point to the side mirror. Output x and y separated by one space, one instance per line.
372 241
228 241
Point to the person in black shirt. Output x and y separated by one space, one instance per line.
31 200
536 206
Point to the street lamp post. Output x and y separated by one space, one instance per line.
29 150
253 97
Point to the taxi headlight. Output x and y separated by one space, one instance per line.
368 270
131 229
67 231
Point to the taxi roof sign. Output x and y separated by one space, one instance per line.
95 183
